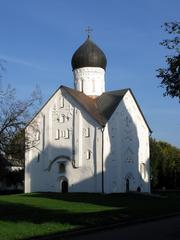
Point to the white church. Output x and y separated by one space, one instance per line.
86 139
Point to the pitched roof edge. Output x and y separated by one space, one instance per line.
33 117
140 110
118 95
114 91
99 121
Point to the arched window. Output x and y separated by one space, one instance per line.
38 157
93 85
88 154
66 133
62 168
81 85
37 135
57 136
86 132
143 170
61 102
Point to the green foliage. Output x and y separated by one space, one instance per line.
170 76
41 214
165 164
15 149
13 178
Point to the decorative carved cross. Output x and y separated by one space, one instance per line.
88 30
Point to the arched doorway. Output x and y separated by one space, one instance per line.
127 185
64 186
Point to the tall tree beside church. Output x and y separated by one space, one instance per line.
170 75
165 164
156 162
14 114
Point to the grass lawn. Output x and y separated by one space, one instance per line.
27 215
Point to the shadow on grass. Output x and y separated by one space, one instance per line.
126 207
130 204
16 212
110 200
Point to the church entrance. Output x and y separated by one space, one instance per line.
127 185
64 186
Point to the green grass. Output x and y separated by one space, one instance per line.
28 215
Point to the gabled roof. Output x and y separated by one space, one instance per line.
100 108
108 102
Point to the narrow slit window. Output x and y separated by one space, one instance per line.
93 84
37 135
80 85
66 133
143 170
88 154
38 157
86 132
61 102
62 134
57 135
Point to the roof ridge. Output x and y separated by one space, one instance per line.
100 108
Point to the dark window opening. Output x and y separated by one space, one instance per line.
62 168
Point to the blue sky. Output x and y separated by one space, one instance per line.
38 38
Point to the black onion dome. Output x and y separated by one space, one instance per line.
88 55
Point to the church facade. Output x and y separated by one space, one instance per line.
85 139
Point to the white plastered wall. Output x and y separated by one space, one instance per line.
126 140
90 80
82 171
126 146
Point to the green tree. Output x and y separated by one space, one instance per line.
170 75
165 164
14 178
156 162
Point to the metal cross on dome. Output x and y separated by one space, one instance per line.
88 30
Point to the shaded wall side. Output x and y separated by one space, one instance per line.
126 149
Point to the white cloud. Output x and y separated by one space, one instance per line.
16 60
